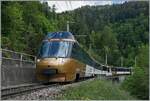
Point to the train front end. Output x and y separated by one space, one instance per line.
54 63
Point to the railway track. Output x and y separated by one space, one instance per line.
10 92
19 90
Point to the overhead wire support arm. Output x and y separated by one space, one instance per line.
80 35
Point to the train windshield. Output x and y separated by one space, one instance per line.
55 49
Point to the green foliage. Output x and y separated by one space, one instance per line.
13 27
138 83
123 27
143 57
24 25
108 39
119 30
96 90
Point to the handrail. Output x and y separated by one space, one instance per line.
18 60
29 58
18 52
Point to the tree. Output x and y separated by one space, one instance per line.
138 83
13 26
108 41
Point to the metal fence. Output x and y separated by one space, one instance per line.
17 68
17 59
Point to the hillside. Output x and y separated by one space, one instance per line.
118 30
121 31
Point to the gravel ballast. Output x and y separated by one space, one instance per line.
50 93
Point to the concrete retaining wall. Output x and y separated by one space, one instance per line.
14 74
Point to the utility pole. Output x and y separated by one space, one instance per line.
135 61
121 61
68 29
106 51
90 47
68 22
106 58
67 26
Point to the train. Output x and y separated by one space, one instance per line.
62 59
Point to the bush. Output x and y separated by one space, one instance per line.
138 83
97 89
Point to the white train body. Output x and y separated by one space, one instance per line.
91 71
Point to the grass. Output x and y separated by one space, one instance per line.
96 90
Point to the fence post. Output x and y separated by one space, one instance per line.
35 61
1 57
21 60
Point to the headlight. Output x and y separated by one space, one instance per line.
38 60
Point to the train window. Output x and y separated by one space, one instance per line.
104 68
63 35
44 49
55 49
80 54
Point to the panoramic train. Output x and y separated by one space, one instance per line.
62 59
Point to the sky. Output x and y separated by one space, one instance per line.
70 5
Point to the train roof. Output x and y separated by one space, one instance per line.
59 35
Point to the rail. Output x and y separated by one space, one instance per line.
20 90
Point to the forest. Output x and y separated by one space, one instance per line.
120 30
